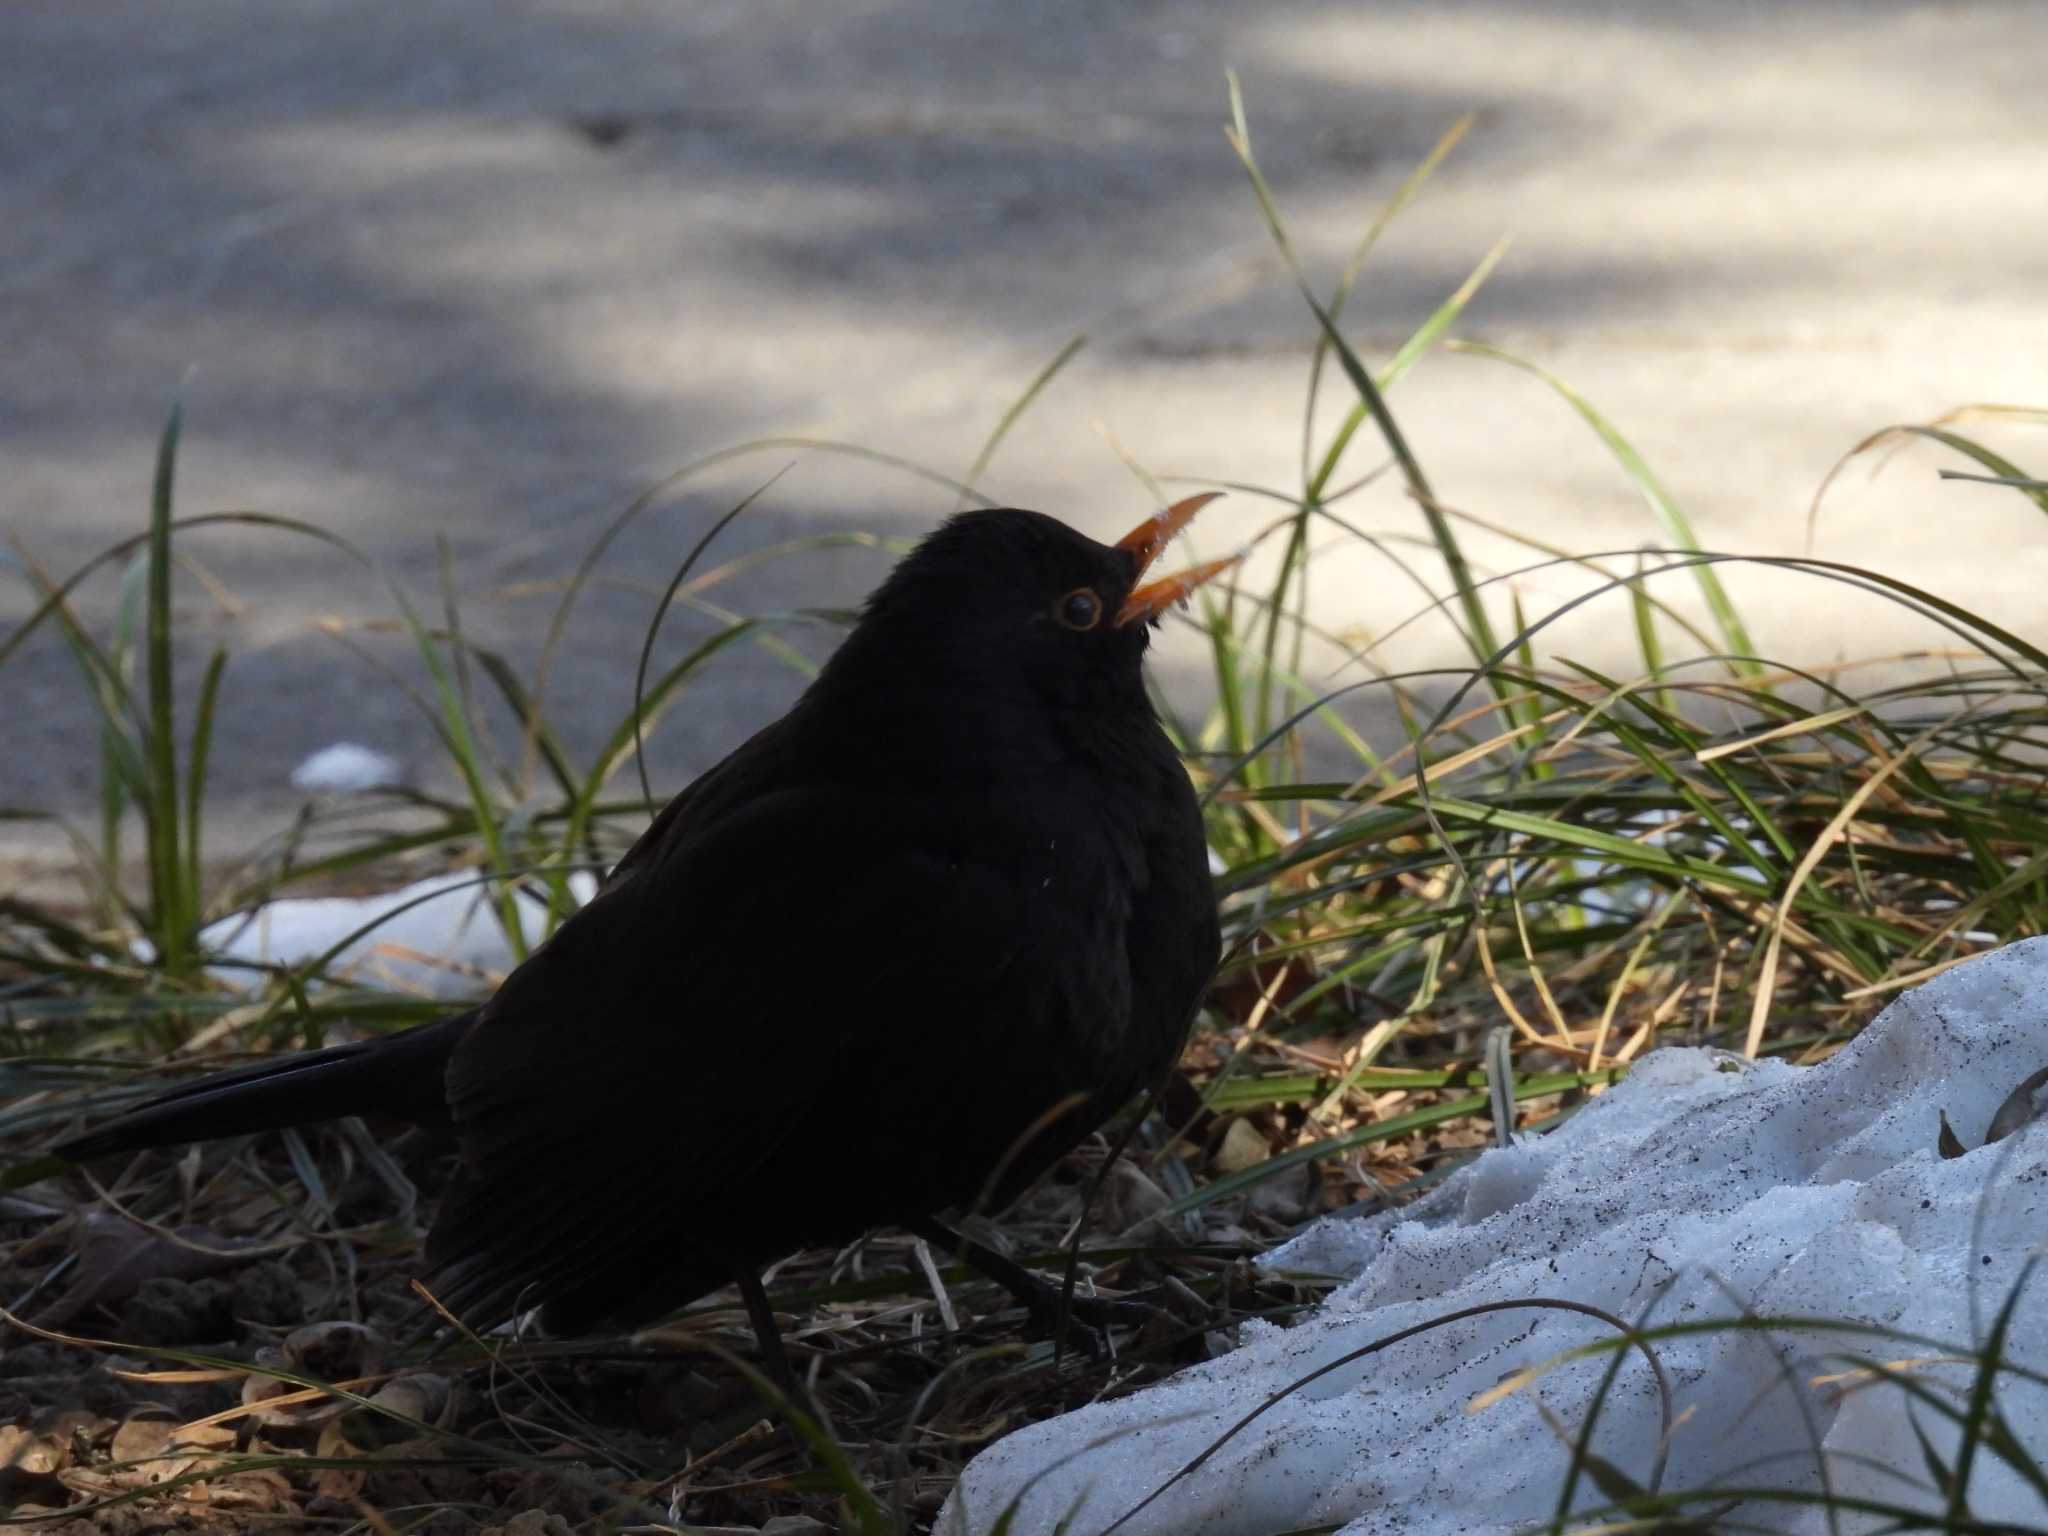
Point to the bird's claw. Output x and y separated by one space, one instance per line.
1084 1320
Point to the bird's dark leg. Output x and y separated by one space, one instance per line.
1044 1299
767 1337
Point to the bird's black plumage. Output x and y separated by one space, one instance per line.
894 955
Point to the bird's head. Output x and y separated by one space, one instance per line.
1007 599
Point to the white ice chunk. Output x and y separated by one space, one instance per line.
347 767
1698 1187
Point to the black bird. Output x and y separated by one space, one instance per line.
893 956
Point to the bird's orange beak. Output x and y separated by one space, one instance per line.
1146 541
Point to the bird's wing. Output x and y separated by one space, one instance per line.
770 1019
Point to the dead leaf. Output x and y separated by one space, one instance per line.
1948 1143
341 1483
1244 1146
330 1351
1131 1198
27 1458
261 1491
421 1397
2022 1107
145 1452
1290 1196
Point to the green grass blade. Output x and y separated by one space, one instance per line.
661 609
1981 1406
2018 483
1426 336
1734 633
553 756
195 775
1525 658
2007 472
1479 630
1410 188
1648 645
175 923
453 724
2003 470
456 648
1009 418
630 734
123 775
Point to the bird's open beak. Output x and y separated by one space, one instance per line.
1146 540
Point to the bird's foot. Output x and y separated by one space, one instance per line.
1085 1321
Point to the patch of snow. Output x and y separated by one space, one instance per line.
440 936
346 768
1699 1186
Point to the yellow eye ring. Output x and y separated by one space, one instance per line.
1080 609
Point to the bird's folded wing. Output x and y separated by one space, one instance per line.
762 1005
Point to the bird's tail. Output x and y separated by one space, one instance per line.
399 1075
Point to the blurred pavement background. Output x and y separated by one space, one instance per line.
442 270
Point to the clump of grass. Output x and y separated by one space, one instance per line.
1716 848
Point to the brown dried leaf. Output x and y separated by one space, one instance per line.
2022 1107
262 1490
145 1452
331 1351
339 1483
1244 1146
1131 1198
1946 1141
421 1397
24 1453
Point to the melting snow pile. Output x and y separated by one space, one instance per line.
440 936
1699 1187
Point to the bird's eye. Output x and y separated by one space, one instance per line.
1080 609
